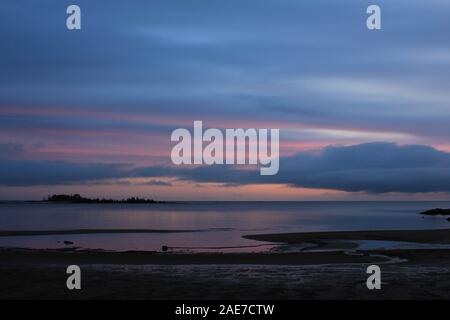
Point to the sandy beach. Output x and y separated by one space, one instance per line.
336 274
441 236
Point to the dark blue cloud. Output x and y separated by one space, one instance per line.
158 183
371 167
35 173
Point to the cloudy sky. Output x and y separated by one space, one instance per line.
364 115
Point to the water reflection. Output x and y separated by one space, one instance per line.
223 223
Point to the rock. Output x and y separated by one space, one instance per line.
437 212
67 243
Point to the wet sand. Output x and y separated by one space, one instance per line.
423 236
441 236
64 256
42 275
406 274
20 233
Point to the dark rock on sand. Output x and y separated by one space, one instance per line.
68 243
437 212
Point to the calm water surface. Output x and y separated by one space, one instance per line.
213 224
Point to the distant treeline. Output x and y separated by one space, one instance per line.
76 198
437 212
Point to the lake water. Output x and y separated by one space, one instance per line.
213 224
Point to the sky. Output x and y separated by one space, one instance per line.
363 115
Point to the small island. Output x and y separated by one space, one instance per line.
436 212
76 198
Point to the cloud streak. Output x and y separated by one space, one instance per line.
372 168
38 173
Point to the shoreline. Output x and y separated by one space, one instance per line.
342 274
432 236
441 236
334 247
20 233
24 256
53 256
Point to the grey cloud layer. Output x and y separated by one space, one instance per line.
282 60
296 62
372 167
